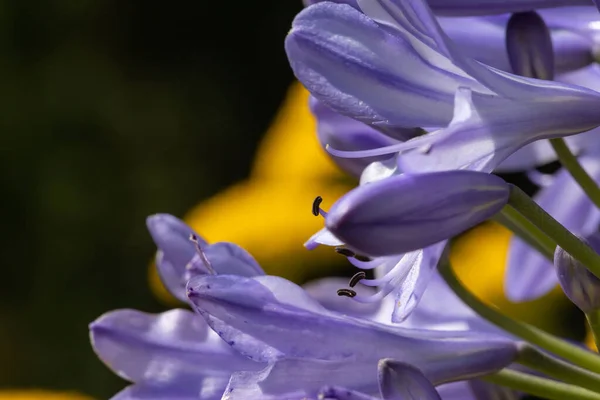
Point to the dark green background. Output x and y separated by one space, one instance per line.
110 111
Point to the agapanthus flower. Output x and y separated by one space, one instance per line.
275 338
392 66
404 220
269 319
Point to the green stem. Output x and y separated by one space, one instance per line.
570 162
540 387
593 318
544 221
527 231
558 369
538 337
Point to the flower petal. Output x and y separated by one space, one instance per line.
230 259
345 133
340 393
529 275
401 381
164 349
324 237
211 390
172 237
478 7
270 318
325 292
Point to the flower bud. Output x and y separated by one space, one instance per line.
412 211
579 284
529 46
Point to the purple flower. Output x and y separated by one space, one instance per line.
182 253
477 7
393 67
579 284
412 211
269 319
346 133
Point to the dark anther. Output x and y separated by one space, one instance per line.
344 251
316 204
346 292
357 277
194 238
362 258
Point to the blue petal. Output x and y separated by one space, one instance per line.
484 391
401 381
408 212
270 318
529 275
165 349
172 237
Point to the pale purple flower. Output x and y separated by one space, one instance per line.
579 284
269 319
393 67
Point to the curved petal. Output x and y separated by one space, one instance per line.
409 292
401 381
176 391
227 258
529 275
324 237
350 64
172 237
270 318
325 292
478 7
164 349
340 393
346 133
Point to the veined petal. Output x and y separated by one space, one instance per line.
487 7
172 237
408 293
401 381
486 130
571 49
301 378
227 258
340 393
352 65
325 292
181 390
408 212
345 133
164 349
529 275
270 318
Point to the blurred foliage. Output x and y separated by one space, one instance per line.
112 111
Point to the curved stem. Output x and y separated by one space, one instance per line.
558 369
527 231
540 387
570 162
551 227
538 337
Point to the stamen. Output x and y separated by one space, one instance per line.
345 252
411 144
357 277
346 292
316 206
202 255
362 258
